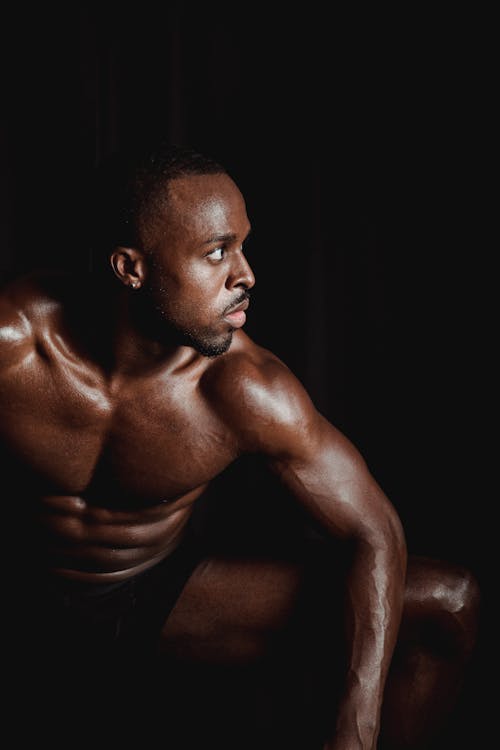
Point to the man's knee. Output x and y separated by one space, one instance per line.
443 601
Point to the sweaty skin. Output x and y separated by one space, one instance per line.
112 424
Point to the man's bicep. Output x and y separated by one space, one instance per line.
272 415
328 475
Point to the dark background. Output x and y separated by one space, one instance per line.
362 144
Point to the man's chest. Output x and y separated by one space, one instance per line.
154 438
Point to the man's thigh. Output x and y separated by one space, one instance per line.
257 638
235 610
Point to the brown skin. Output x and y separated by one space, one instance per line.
119 430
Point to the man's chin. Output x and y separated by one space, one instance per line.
207 343
212 347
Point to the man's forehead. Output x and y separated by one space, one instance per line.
206 202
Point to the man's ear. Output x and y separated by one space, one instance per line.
129 265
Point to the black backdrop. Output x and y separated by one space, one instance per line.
361 144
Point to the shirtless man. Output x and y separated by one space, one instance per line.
123 394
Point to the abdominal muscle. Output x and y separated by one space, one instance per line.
88 543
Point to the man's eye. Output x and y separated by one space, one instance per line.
216 254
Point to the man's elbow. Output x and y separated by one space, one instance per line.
386 538
392 539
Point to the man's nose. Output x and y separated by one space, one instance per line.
240 275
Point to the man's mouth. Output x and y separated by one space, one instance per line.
236 315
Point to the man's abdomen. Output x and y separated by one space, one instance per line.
88 542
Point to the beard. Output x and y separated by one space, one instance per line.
204 343
208 343
166 321
204 340
164 326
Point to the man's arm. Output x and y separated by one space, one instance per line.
326 473
273 415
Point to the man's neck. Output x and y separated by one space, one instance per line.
124 336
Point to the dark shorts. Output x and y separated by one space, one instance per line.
80 663
77 648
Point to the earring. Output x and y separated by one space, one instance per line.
134 284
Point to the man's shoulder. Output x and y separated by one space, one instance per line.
16 299
32 293
251 387
25 302
245 367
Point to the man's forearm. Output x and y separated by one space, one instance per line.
375 591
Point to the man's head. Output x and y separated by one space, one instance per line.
172 226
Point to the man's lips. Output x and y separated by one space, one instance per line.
236 315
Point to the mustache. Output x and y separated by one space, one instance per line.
242 298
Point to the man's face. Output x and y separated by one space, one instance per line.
198 273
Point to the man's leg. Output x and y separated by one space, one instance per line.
275 627
436 641
236 647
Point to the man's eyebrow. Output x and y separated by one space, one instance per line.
220 238
230 237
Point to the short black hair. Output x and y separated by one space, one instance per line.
131 187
